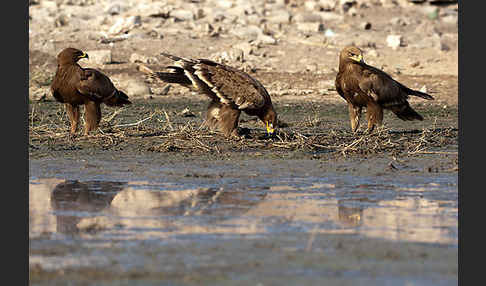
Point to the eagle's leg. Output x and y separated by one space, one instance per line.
223 117
73 114
374 115
92 112
228 123
212 115
354 116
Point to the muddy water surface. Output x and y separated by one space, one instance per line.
264 221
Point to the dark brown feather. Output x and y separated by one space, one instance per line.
362 85
75 86
231 91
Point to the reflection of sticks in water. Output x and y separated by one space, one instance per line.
311 239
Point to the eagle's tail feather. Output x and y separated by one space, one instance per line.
405 112
119 98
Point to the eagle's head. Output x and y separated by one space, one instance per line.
351 53
71 56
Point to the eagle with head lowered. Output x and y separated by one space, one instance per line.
75 86
362 85
230 90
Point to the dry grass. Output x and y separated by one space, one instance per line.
159 131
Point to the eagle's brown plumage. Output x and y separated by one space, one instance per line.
362 85
75 86
230 90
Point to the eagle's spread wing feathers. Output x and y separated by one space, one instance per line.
231 85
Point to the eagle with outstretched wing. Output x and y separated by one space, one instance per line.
230 90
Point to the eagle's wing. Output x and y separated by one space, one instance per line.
231 85
381 88
95 85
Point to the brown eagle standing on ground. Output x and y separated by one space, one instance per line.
231 91
74 86
362 85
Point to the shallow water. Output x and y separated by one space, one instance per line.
422 211
122 216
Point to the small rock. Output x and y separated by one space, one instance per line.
310 5
415 64
114 9
49 5
352 11
100 56
265 39
279 16
225 4
431 12
346 4
399 21
124 25
307 17
186 113
246 47
232 55
365 25
330 16
39 93
329 33
310 27
449 19
136 58
394 41
250 32
62 20
182 15
326 5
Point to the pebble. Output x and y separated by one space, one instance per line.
182 15
329 33
265 39
415 64
62 20
279 16
137 58
310 27
250 32
39 93
310 5
123 25
326 5
394 41
307 17
399 21
365 25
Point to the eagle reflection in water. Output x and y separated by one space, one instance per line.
74 201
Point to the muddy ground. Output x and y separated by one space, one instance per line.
159 139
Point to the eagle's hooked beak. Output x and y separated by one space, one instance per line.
358 58
270 129
84 55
